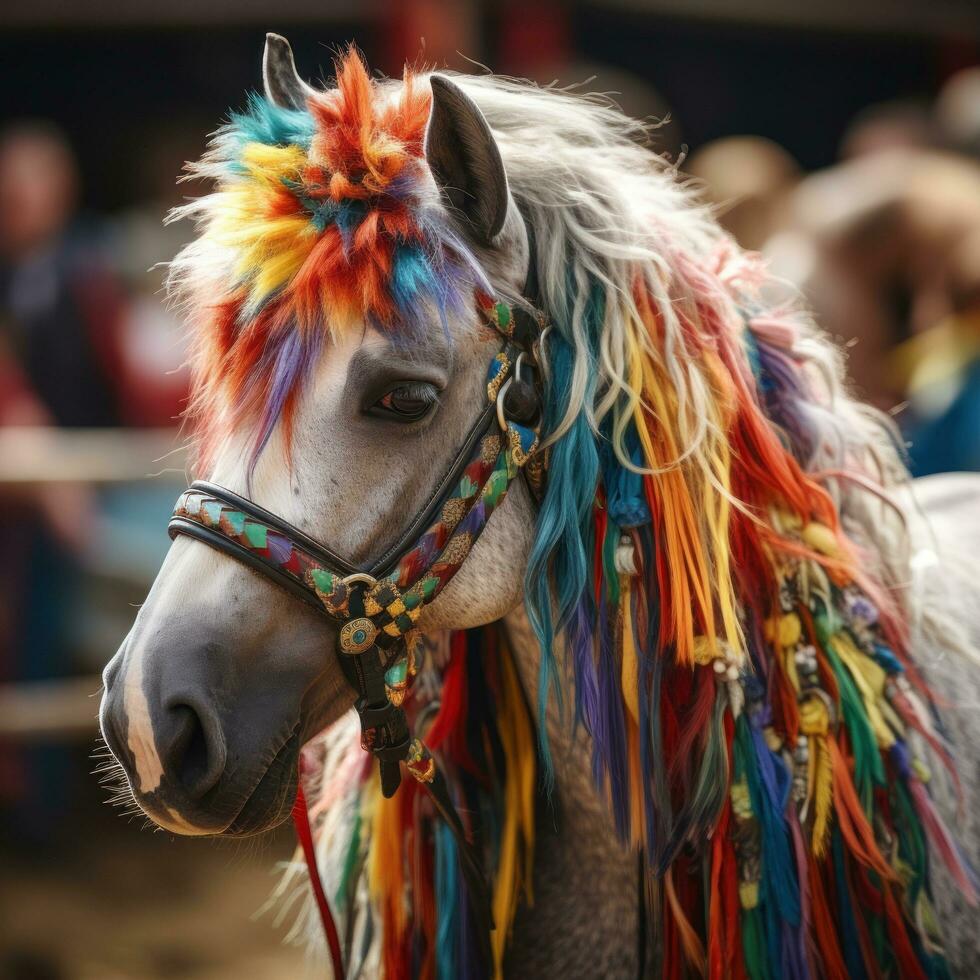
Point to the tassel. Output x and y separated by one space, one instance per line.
724 941
690 944
815 723
769 784
854 826
825 938
706 796
898 939
517 834
448 903
941 840
630 674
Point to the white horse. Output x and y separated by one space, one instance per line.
717 608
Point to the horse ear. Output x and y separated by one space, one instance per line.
283 86
465 160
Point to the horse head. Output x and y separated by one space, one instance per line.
335 395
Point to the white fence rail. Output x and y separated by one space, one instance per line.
37 456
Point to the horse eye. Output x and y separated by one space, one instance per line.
408 402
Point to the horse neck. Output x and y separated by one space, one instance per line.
584 918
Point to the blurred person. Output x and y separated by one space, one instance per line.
59 316
60 308
894 267
941 372
957 112
749 180
899 124
153 347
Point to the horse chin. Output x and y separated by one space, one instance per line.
271 802
267 805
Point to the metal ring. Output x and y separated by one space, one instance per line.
537 349
500 403
514 376
360 577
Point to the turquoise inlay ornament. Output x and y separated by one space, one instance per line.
357 635
396 681
235 520
256 534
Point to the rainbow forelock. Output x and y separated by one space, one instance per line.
324 219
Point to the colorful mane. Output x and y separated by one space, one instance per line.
320 220
738 658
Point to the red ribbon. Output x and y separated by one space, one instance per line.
301 820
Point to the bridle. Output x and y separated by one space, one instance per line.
377 609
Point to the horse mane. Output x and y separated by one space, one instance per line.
712 581
720 555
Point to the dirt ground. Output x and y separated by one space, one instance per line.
99 898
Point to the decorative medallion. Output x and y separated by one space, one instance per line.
357 635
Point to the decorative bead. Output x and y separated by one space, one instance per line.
419 762
521 402
789 520
820 538
705 651
719 666
748 894
736 698
861 608
790 630
787 596
396 681
625 560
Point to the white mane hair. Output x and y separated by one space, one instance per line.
605 206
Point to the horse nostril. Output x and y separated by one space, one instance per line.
195 757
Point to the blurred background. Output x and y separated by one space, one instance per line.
841 139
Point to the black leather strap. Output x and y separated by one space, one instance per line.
426 515
323 555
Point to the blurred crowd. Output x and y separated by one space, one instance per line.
885 245
85 342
